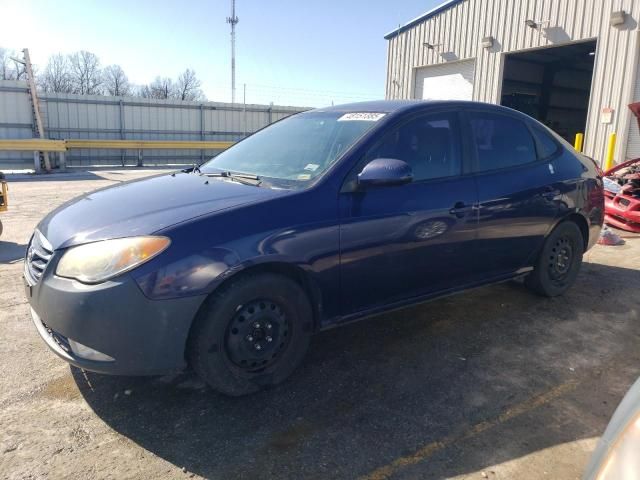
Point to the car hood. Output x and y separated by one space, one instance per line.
142 207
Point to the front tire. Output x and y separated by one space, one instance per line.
251 335
559 262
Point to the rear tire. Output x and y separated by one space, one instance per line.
559 261
251 335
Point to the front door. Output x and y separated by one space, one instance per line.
408 241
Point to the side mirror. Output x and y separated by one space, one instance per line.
385 172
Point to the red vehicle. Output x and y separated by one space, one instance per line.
622 191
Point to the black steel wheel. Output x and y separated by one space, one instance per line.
251 334
559 261
257 335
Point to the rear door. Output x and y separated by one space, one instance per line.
519 192
406 241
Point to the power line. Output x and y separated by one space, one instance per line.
330 92
262 94
305 90
306 97
306 94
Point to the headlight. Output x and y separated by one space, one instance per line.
100 261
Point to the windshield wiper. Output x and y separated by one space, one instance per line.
244 178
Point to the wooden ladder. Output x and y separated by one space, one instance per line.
38 128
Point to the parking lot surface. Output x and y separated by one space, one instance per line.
495 383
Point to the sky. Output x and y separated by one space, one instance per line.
290 52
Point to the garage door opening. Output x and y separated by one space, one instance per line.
450 81
552 85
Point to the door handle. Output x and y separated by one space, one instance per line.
460 209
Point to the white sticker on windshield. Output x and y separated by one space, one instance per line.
312 167
361 117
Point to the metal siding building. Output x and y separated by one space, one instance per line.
455 30
15 121
96 117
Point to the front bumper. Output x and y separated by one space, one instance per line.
143 336
622 211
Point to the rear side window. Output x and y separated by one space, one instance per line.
501 141
547 146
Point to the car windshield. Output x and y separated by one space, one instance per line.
296 150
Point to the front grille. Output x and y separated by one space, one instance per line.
39 253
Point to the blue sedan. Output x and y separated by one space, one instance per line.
325 217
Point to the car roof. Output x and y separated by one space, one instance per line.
378 106
403 106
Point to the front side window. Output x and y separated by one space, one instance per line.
296 150
428 143
501 141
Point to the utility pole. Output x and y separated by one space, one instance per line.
233 21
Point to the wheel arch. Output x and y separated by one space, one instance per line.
582 224
574 217
288 270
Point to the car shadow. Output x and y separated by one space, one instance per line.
11 252
52 177
389 388
81 174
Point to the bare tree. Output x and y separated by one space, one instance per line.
80 73
9 68
6 72
161 88
21 71
115 81
57 75
86 75
143 91
188 86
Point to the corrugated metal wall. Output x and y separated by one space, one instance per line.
633 132
67 116
459 30
15 122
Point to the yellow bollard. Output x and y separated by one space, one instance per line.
611 149
4 194
579 142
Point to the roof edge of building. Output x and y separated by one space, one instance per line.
425 16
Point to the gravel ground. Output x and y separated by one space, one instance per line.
495 383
